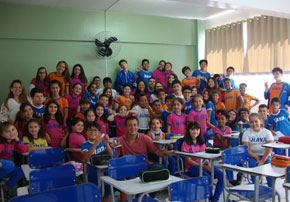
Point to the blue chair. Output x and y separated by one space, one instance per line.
46 158
239 156
50 178
84 193
190 190
126 167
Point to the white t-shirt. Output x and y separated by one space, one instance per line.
143 117
257 139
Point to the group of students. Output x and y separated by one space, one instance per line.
64 111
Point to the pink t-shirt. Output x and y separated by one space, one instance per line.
75 141
73 103
104 126
120 125
55 131
142 145
192 149
74 80
217 130
200 117
160 76
177 123
7 149
41 85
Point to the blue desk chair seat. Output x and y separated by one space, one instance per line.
127 167
46 158
190 190
51 178
239 156
77 193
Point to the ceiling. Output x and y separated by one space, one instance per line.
209 10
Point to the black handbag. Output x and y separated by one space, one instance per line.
100 159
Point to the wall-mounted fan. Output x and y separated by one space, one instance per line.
107 45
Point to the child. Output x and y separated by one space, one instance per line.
232 98
78 76
218 105
279 119
120 117
101 118
25 113
84 105
177 89
61 75
169 84
142 73
54 125
278 89
254 138
97 81
186 91
55 94
194 142
158 86
124 76
9 142
95 144
40 81
165 113
243 115
126 98
144 114
73 100
159 73
37 100
16 96
141 89
151 85
209 106
157 109
263 111
194 91
107 82
202 74
161 96
212 86
34 135
229 73
104 100
189 80
198 113
76 138
168 70
91 94
176 121
222 129
233 120
90 116
248 98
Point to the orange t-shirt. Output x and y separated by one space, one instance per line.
275 91
61 79
62 102
231 99
127 101
157 115
247 100
164 107
193 82
219 106
80 115
150 135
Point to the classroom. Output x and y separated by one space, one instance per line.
144 100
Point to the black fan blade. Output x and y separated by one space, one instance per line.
109 52
98 43
102 52
110 40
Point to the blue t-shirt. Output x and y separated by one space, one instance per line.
188 106
144 76
164 115
210 106
93 100
279 122
197 73
222 85
100 149
39 111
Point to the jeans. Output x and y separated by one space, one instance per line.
9 170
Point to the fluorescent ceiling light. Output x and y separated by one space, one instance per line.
219 14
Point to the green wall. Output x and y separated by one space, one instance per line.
34 36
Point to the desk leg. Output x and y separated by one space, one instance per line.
286 152
212 172
287 194
256 188
273 189
200 167
130 198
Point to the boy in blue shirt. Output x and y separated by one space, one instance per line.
142 73
165 113
229 73
124 76
186 91
37 100
202 74
279 119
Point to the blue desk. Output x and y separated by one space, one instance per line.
84 193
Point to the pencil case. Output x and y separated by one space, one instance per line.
212 150
100 159
284 139
154 175
280 161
